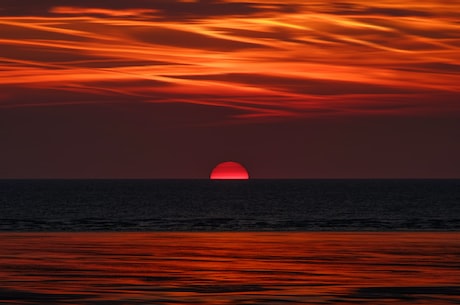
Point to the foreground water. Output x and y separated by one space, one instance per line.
230 268
254 205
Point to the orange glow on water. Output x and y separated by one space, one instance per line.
230 268
229 171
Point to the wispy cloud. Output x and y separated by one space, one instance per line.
273 59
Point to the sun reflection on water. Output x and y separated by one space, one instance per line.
229 268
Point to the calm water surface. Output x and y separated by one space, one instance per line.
230 268
254 205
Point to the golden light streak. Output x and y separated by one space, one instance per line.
101 11
280 59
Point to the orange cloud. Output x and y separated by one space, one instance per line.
101 11
266 58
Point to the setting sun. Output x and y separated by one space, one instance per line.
229 171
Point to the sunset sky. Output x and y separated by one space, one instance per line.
170 88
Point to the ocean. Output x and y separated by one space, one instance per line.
216 268
250 205
132 242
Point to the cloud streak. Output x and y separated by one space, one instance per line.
268 59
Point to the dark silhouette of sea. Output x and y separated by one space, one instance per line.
252 205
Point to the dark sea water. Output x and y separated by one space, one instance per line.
254 205
200 242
